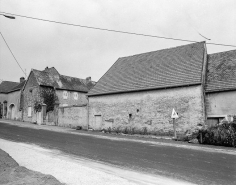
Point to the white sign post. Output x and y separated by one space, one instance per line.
174 116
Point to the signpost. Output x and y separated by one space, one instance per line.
174 116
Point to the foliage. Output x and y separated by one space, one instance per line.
37 106
49 98
224 135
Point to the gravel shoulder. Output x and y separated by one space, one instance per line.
77 171
13 174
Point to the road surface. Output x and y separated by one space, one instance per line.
194 166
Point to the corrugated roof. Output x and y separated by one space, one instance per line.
177 66
7 86
221 71
50 77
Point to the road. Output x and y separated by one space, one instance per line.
194 166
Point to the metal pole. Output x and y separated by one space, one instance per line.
174 128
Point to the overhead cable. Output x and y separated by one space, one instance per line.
12 54
116 31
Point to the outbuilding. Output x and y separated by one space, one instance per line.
139 92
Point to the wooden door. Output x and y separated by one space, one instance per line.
98 122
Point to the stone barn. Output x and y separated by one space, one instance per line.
139 92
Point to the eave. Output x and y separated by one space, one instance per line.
146 89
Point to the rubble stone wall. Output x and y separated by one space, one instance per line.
72 117
30 93
70 99
150 109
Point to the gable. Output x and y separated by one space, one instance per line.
179 66
31 82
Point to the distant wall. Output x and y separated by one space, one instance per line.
70 99
12 98
72 116
30 93
3 97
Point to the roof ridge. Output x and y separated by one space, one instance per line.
72 77
233 50
162 50
9 81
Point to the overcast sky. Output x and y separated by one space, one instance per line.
81 52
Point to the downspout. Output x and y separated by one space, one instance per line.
204 73
88 113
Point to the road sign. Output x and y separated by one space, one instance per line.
174 114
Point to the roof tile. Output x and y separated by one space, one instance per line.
177 66
221 71
50 77
7 86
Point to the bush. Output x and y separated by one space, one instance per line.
223 135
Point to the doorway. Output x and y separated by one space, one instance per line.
12 111
98 122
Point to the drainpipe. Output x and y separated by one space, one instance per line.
88 114
204 74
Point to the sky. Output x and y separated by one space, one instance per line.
81 52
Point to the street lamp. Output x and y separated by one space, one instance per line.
8 16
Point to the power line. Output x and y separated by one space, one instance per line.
116 31
12 54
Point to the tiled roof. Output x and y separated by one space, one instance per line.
221 71
7 86
53 79
18 87
179 66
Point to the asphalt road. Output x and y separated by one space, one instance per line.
191 165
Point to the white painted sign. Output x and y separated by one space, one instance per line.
174 114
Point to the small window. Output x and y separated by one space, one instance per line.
29 111
130 116
65 94
75 95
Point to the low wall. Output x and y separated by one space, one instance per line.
72 116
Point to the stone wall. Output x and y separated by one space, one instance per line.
221 103
3 97
73 116
30 93
14 100
150 109
70 100
13 104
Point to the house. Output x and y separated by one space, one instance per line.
69 91
10 99
221 86
139 92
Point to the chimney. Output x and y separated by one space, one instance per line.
22 79
88 79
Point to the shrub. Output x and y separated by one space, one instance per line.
223 135
49 98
